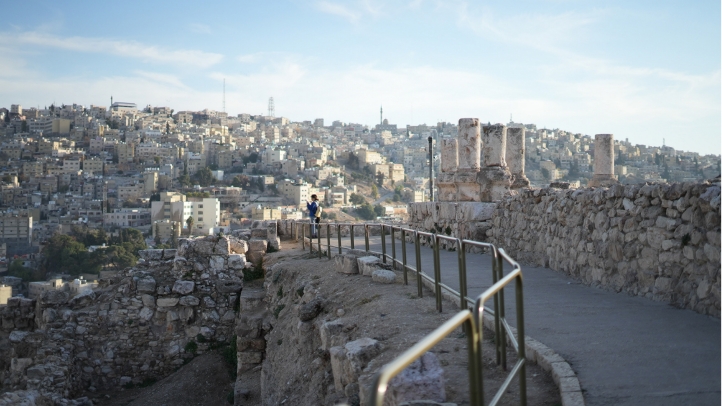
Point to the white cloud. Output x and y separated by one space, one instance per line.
129 49
161 78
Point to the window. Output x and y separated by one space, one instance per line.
200 206
200 218
200 212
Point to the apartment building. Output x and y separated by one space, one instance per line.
127 218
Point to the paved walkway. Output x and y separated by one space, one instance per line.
625 350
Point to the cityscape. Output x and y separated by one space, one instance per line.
168 173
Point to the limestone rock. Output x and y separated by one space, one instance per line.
167 302
367 265
423 379
183 287
383 276
346 263
146 284
310 310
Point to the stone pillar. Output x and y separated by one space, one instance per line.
469 145
449 163
449 155
494 178
603 161
515 156
467 189
494 138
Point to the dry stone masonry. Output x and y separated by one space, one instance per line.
139 326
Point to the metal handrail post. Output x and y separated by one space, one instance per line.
303 237
366 237
520 332
318 239
383 243
351 228
437 273
418 263
328 239
463 291
393 248
497 305
338 234
403 255
502 316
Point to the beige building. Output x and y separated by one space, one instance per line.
16 228
6 292
265 213
166 230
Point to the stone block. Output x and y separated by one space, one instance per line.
358 354
383 276
183 287
54 297
234 285
423 379
258 245
255 257
146 313
449 155
346 263
259 233
328 331
338 359
189 301
367 265
151 255
236 261
274 243
217 263
238 246
166 302
494 139
146 284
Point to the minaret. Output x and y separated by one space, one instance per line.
111 101
382 116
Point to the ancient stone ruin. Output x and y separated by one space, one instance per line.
139 326
661 241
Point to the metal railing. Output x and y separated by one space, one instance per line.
470 319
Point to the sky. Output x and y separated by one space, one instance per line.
647 71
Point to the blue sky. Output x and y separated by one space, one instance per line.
643 70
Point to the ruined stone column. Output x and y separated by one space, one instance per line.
603 161
494 178
449 163
469 150
494 145
469 145
515 156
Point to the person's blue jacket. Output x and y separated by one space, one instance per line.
312 207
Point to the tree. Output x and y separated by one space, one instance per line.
545 173
374 192
24 126
357 199
366 212
379 210
380 176
204 176
157 160
353 161
167 127
189 222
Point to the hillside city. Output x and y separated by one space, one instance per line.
84 188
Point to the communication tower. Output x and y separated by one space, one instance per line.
271 108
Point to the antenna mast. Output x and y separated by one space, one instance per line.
271 108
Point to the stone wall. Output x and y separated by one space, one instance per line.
137 327
660 241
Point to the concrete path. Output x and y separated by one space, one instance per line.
625 350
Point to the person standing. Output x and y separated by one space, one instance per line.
314 211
